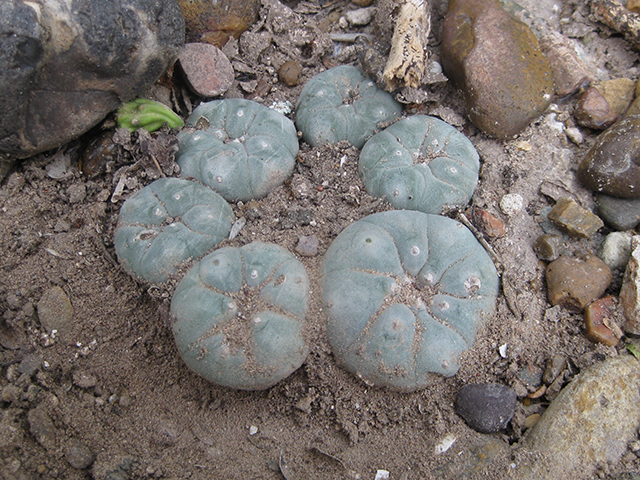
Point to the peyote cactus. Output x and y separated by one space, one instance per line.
405 293
147 114
343 104
242 151
167 223
239 316
420 163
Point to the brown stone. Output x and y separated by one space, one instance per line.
593 110
216 22
576 282
488 224
574 219
612 165
289 73
618 93
600 321
569 72
207 70
496 61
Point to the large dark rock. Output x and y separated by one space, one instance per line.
64 65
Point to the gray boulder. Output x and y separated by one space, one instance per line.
65 64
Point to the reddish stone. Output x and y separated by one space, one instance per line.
599 317
207 70
491 226
593 110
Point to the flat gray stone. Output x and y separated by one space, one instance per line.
65 65
619 213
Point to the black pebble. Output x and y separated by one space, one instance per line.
486 407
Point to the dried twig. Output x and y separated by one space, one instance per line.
617 17
408 57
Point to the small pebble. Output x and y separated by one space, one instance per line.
576 282
84 379
618 93
289 73
42 428
569 72
488 224
548 247
600 321
486 407
616 249
610 165
30 363
511 204
362 3
530 376
575 135
574 219
553 368
307 245
361 16
77 193
207 70
619 213
55 312
630 291
78 455
593 111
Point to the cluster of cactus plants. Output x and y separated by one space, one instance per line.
405 291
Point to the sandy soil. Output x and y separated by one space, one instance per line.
115 382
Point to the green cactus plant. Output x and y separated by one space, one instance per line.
343 104
147 114
243 150
238 316
405 293
420 163
167 223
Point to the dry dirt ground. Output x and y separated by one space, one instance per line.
114 380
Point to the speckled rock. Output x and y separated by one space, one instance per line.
612 166
619 213
630 291
486 407
66 65
496 61
589 423
576 282
207 70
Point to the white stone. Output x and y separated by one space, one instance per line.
616 249
630 291
382 475
511 204
360 16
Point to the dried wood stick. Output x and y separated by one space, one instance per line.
617 17
408 57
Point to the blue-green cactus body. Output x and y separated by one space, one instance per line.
420 163
405 293
167 223
244 151
239 316
343 104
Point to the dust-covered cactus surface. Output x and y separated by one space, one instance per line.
405 293
239 316
167 223
239 148
343 104
420 163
